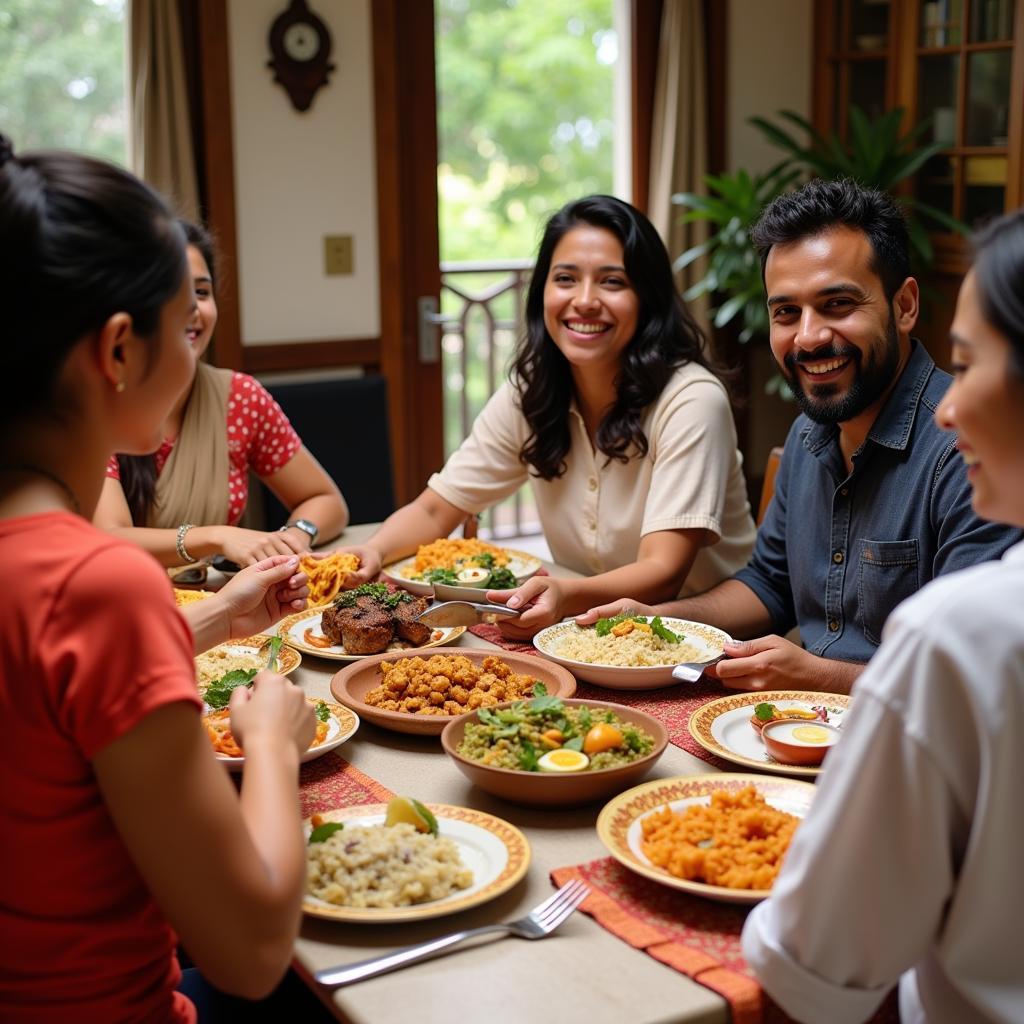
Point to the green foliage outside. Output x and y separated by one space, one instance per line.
62 75
524 91
525 99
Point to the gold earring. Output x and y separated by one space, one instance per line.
119 386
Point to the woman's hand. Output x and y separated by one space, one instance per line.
369 564
261 594
542 599
246 547
273 712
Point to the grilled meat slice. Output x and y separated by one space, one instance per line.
364 628
406 625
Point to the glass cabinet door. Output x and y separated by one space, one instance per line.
964 68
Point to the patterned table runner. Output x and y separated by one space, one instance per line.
330 781
672 705
697 937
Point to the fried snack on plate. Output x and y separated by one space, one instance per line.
327 575
737 841
182 597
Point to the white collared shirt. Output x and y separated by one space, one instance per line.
911 860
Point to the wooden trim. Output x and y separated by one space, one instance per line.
1015 133
645 32
405 99
716 35
311 355
218 174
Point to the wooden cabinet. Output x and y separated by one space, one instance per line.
959 62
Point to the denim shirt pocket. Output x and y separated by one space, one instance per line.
887 574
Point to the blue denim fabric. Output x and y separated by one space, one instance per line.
836 552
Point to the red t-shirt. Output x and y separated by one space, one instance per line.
260 438
90 643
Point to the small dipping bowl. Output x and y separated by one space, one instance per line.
799 742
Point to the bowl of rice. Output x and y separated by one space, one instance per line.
488 747
631 652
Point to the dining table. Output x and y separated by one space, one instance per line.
581 973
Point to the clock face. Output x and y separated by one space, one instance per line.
301 41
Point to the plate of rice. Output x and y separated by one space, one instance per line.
244 654
448 561
369 872
630 652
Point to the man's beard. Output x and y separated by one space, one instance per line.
870 381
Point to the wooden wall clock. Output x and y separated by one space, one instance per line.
300 46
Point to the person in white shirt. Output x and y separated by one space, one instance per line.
908 866
613 414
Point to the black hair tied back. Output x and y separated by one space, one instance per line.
6 150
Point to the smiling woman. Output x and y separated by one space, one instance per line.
611 411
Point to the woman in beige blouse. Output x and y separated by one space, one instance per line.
613 415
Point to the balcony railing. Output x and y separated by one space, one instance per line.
482 305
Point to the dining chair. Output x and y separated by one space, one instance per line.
768 487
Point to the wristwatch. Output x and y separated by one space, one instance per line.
305 526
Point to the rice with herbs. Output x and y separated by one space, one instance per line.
212 664
637 649
384 866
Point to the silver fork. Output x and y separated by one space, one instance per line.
537 924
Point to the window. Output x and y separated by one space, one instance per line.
62 80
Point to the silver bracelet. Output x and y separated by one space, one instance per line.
180 544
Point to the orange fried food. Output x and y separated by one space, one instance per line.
446 685
738 841
445 553
327 574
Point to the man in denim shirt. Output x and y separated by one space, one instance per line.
871 498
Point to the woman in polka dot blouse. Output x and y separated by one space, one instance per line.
177 503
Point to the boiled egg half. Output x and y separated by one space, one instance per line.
563 760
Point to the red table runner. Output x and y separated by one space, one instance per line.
672 705
697 937
330 781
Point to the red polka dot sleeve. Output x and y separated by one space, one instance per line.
259 438
112 470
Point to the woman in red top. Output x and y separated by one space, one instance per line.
183 502
119 827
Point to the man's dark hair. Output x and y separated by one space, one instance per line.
821 205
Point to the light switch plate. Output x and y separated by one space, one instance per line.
338 256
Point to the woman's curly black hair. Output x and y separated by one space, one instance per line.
666 337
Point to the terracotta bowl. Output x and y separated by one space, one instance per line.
351 685
777 740
549 789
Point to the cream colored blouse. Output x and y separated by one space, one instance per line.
595 513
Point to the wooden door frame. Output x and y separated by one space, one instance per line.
405 115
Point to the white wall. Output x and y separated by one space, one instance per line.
769 69
300 176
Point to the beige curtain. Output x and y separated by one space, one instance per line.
679 136
159 123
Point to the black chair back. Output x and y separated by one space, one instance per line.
344 423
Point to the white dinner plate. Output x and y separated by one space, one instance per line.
619 823
496 852
341 726
521 564
723 726
293 631
707 640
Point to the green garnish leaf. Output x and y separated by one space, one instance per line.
218 693
441 576
502 578
273 648
485 560
485 716
426 815
765 712
546 703
323 712
325 831
658 628
576 743
539 689
528 757
380 592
